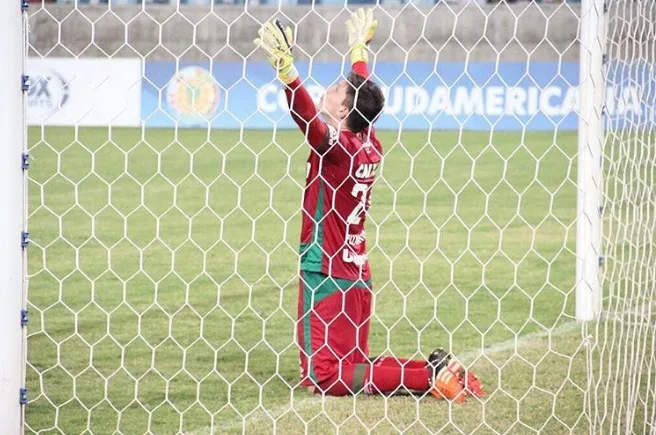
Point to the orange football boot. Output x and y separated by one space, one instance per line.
446 385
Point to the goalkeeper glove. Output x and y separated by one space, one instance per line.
361 28
277 43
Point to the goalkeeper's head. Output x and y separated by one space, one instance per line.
355 103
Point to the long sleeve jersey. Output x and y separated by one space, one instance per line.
341 170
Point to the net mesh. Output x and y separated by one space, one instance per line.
163 268
623 364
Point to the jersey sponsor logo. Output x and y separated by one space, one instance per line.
366 146
355 239
366 170
333 136
351 257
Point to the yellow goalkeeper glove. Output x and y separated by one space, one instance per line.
277 43
361 28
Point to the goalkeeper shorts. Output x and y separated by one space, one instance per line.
332 327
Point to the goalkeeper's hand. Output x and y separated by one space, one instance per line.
277 44
361 28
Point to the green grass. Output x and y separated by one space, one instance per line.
163 284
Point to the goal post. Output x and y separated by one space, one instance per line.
592 91
12 218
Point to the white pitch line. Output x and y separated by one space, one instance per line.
301 404
517 342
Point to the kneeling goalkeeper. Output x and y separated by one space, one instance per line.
334 303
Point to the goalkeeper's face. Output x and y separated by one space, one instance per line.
331 105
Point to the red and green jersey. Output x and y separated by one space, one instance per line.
335 202
341 170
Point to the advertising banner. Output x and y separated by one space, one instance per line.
84 92
449 96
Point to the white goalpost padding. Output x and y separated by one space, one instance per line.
12 221
592 87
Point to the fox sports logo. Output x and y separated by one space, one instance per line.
47 93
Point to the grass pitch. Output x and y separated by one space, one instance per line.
163 284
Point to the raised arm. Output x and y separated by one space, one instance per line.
277 42
361 29
305 114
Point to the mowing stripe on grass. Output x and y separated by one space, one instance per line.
520 341
260 415
504 346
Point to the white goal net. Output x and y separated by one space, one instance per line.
623 362
164 207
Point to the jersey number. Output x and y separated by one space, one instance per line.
360 191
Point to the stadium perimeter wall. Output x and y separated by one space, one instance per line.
507 67
516 32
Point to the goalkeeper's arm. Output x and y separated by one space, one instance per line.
305 114
361 28
277 43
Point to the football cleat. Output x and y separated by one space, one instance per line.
446 385
438 359
468 381
472 385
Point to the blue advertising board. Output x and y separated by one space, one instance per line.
420 95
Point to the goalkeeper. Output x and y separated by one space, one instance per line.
334 303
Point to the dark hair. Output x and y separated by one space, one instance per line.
365 101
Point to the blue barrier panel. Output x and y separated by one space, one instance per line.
473 96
